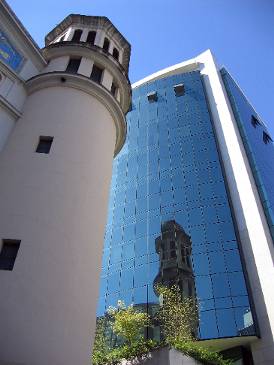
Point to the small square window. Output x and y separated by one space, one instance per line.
8 253
179 89
266 138
44 144
254 121
152 97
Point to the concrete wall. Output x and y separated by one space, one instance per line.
12 88
164 356
7 122
56 205
57 64
85 68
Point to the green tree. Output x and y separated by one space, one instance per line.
128 323
177 315
100 346
179 321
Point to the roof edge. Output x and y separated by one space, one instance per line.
85 20
14 19
192 64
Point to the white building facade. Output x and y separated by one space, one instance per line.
61 122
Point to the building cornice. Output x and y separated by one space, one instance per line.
10 16
85 84
15 113
97 54
100 22
183 67
6 70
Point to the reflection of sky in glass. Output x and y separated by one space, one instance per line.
169 219
260 154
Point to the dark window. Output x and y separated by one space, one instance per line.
8 254
62 38
96 74
172 245
255 121
106 45
77 35
115 53
113 89
266 138
172 254
44 144
179 89
188 261
91 37
152 97
73 65
190 288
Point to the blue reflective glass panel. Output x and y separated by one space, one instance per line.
169 217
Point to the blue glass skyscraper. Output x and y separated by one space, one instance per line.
178 212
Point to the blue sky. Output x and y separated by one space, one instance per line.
164 32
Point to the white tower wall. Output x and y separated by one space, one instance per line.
56 205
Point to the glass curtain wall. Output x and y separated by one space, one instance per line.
169 219
258 145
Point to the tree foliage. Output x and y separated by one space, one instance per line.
177 315
139 350
128 323
100 346
178 319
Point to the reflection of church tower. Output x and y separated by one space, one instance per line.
174 250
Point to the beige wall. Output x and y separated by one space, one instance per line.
56 205
7 122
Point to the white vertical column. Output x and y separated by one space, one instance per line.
85 67
84 35
256 241
107 79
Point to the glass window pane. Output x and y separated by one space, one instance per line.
126 279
